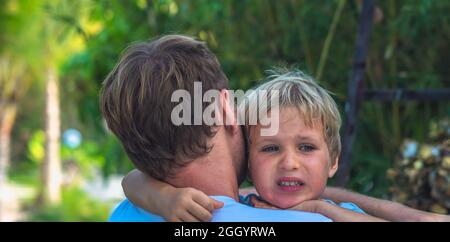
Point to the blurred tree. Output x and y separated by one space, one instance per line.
12 73
39 36
15 73
59 38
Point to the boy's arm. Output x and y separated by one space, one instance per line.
384 209
173 204
334 212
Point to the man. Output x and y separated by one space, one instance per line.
136 101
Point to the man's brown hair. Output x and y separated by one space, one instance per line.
136 102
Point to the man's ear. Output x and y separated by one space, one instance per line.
334 167
228 110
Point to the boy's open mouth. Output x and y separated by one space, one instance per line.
290 184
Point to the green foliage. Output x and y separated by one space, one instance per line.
89 157
36 149
75 206
408 49
92 156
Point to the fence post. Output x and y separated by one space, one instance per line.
355 91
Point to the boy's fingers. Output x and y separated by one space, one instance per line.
301 207
174 219
200 212
306 206
207 202
188 217
260 204
217 204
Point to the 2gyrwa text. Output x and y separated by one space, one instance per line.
225 231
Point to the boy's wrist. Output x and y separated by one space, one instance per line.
162 199
335 194
322 206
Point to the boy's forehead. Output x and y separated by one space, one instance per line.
292 123
296 116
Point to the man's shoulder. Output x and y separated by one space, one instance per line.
128 212
233 211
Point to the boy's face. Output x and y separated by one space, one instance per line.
293 166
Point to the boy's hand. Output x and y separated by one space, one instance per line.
259 203
188 205
334 212
311 206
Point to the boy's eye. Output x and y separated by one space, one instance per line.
306 148
270 148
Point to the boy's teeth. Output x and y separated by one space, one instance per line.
285 183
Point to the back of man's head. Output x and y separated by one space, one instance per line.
136 101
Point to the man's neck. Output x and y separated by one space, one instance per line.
214 174
209 178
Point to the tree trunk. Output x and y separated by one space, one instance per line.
51 168
7 117
355 89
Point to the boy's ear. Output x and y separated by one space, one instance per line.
228 110
334 167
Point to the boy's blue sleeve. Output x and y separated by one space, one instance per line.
246 200
347 205
352 207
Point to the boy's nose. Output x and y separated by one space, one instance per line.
289 162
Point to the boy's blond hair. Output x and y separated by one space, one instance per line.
296 89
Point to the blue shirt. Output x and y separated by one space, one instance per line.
232 211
